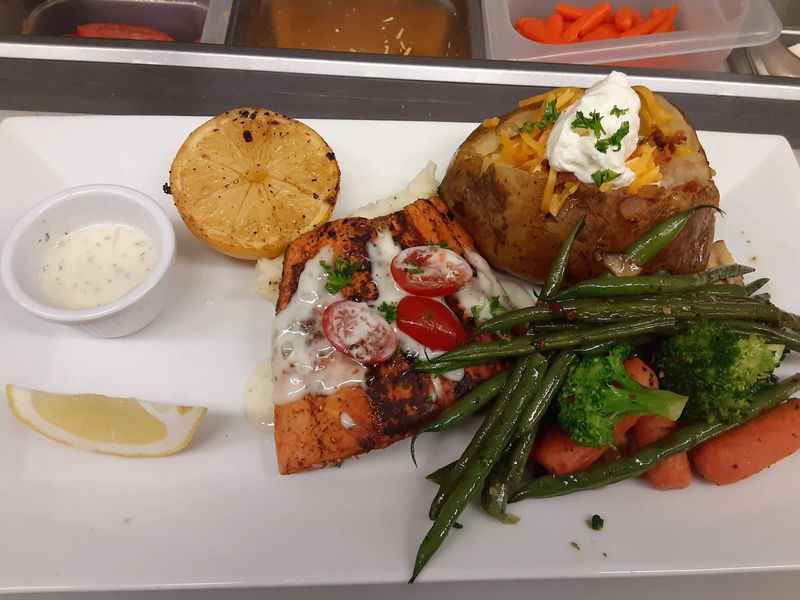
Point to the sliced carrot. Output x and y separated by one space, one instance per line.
674 473
748 449
596 15
625 18
641 373
621 429
558 454
569 12
606 31
638 19
555 25
520 23
534 29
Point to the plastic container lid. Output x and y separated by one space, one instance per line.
701 26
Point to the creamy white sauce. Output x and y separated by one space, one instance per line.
568 150
303 360
96 265
476 296
258 406
346 420
519 293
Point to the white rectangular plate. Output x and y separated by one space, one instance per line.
219 514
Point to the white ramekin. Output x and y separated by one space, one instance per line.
24 251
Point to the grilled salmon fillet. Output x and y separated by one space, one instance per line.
312 432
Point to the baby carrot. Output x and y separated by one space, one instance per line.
624 19
668 20
596 15
606 31
643 28
535 30
569 12
555 25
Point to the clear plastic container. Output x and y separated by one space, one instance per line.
706 32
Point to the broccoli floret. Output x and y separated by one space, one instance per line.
599 392
717 368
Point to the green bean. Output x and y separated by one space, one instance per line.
555 326
476 352
554 377
752 287
680 440
556 340
439 476
565 340
474 446
726 290
607 286
559 267
608 310
494 496
468 405
471 481
539 313
774 335
511 471
643 250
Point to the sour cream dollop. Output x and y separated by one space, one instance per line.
572 149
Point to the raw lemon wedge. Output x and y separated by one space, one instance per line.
249 181
118 426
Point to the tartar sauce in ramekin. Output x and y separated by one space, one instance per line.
96 265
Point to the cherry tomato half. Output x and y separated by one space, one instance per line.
359 331
430 323
430 271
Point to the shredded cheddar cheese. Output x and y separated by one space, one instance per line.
644 166
558 199
534 100
549 187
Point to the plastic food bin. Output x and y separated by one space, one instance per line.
706 32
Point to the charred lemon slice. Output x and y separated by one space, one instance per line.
120 426
249 181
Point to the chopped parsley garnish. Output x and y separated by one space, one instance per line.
604 176
596 522
340 274
618 112
615 141
495 307
388 310
549 117
593 123
414 270
476 311
439 244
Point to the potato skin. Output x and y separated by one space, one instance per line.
501 208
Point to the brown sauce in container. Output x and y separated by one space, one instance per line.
401 27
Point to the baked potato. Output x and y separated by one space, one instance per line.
519 211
